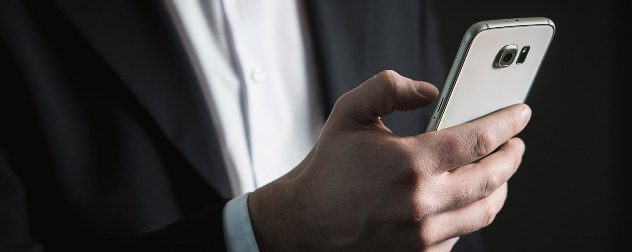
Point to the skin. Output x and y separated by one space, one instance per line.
364 188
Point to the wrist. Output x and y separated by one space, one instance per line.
278 221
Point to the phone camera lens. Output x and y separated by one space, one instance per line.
506 56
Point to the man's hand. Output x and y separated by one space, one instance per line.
364 188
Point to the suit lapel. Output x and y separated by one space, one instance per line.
356 39
339 33
141 44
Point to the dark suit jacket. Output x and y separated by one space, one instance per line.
106 140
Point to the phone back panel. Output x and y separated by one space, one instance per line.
475 86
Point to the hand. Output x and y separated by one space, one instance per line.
364 188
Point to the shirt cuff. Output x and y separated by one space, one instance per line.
238 232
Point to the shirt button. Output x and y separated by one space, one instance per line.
258 74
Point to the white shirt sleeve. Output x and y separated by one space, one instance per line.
238 233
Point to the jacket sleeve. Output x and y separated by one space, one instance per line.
201 231
21 229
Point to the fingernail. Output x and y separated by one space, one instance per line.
426 89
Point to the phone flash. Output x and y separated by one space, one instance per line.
523 54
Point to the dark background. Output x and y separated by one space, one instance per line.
570 191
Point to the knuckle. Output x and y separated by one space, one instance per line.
449 143
426 206
424 203
484 142
386 83
492 182
489 215
387 75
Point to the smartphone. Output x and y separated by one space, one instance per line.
494 68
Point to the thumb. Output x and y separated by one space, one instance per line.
381 95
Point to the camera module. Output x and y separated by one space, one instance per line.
506 56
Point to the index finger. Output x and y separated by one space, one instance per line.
465 143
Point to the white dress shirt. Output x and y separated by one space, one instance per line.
252 61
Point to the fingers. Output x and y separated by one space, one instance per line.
478 180
472 195
381 95
464 220
463 144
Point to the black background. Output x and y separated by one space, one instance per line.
571 189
